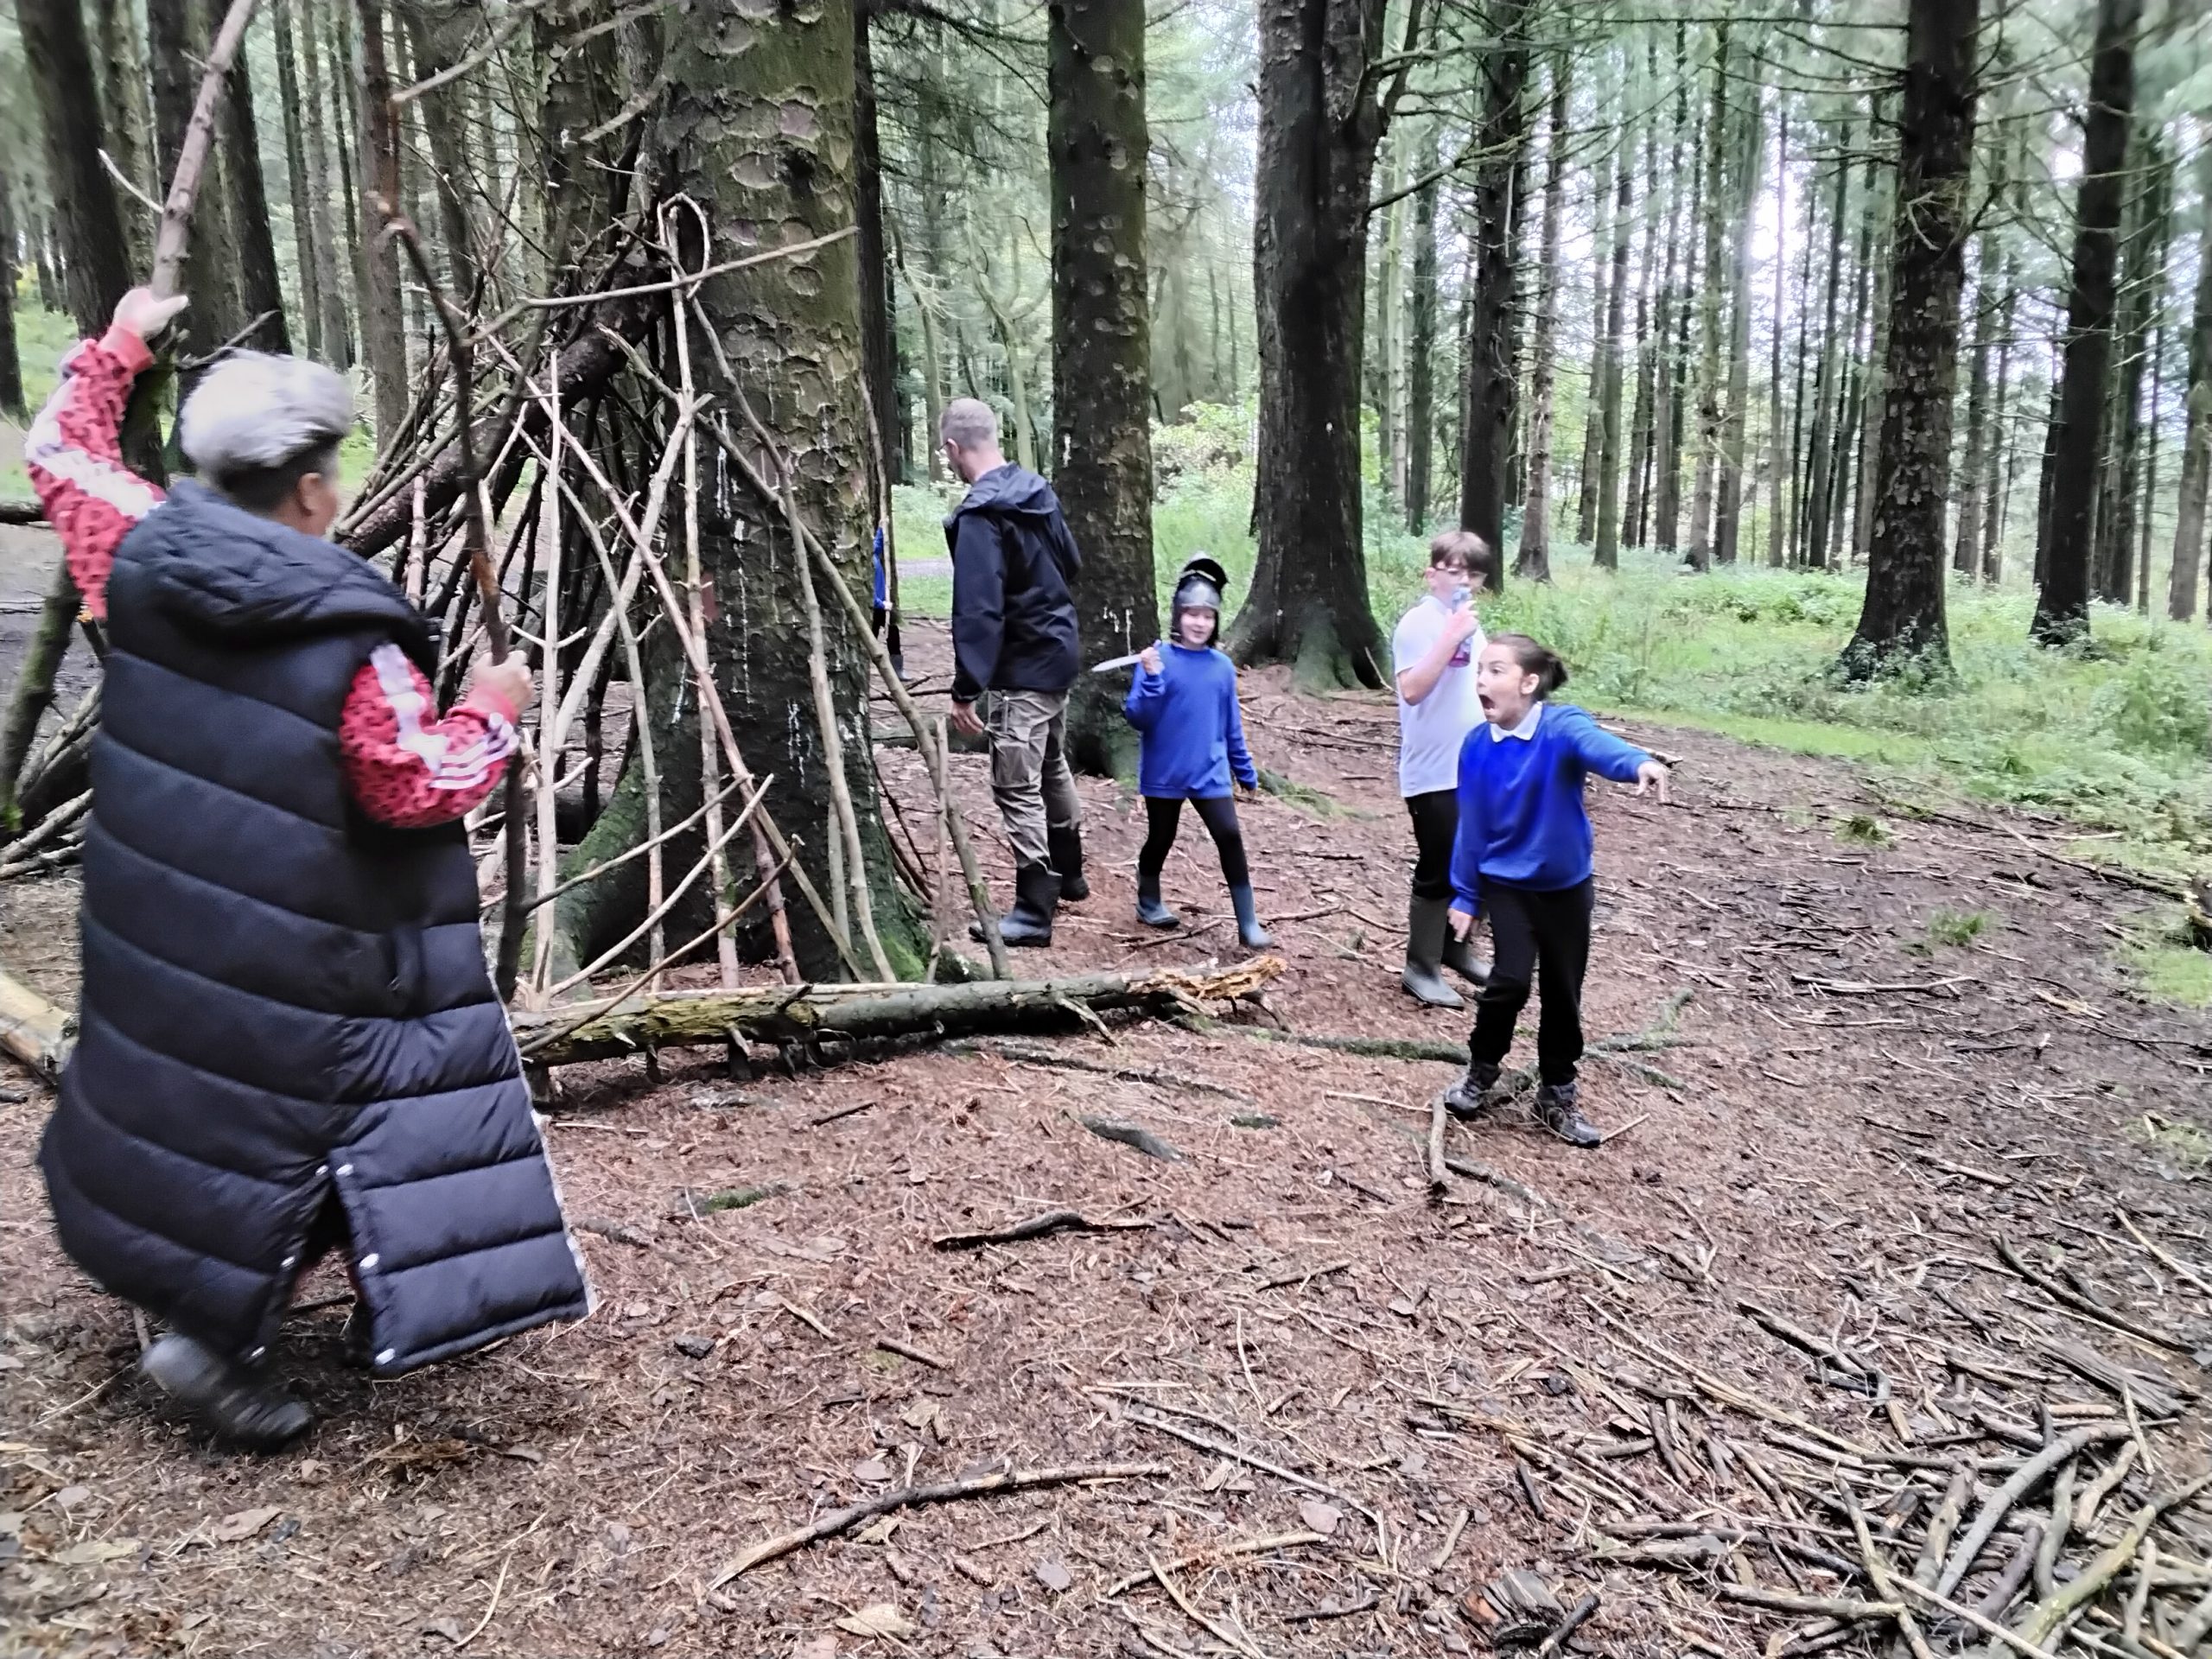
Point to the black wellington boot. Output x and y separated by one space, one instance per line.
1557 1110
1466 1098
1428 928
240 1405
1065 843
1029 923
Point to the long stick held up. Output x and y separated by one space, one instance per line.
192 156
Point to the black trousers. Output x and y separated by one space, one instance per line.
1162 816
1543 936
1436 825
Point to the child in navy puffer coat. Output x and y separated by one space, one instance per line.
1184 705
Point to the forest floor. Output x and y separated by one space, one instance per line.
1903 1041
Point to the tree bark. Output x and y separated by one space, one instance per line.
1593 397
1102 350
2000 453
1851 399
11 363
1421 376
384 324
1320 120
2142 295
1873 394
437 33
334 277
58 62
1966 545
1902 621
1489 365
1715 282
1533 560
261 295
1606 547
1819 450
1728 501
304 254
2063 603
2196 442
126 117
793 330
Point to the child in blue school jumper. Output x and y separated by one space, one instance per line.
1184 706
1522 855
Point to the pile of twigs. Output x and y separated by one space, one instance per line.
2040 1497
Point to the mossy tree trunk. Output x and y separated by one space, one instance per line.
758 129
1102 351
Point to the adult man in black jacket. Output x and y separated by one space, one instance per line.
1014 635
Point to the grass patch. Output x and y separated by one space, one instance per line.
2183 1144
735 1197
1861 829
1958 929
2165 965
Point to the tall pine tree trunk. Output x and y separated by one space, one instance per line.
1835 550
57 60
1101 349
1666 407
2001 450
1533 560
1874 393
1320 121
879 326
2063 603
383 326
1903 621
296 184
11 362
1593 397
1639 421
334 274
1819 453
126 116
2143 294
1728 500
1420 352
1966 545
1385 361
1606 545
2196 444
261 295
1714 286
1490 366
1777 459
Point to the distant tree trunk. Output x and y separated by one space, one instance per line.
1851 390
1728 501
126 119
1101 349
437 33
1606 548
1320 121
296 181
2063 604
2053 430
1639 420
1966 546
1666 359
261 295
1714 285
1500 139
11 364
2000 450
1533 561
1778 459
52 294
2196 444
2113 555
1873 392
334 271
2150 469
1819 451
1385 364
1593 397
879 326
1903 621
57 61
383 327
176 41
1421 376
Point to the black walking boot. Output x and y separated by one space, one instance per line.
1150 911
1467 1098
242 1406
1557 1110
1029 923
1250 933
1428 929
1064 842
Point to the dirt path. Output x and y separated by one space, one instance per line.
1851 1117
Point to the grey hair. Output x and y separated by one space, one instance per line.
969 421
256 424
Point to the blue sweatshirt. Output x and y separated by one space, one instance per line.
1193 729
1522 818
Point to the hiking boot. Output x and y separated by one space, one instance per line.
1150 911
1467 1098
240 1405
1427 928
1064 842
1250 933
1029 923
1556 1111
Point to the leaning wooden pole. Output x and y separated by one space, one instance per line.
33 692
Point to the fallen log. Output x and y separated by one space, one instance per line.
39 1033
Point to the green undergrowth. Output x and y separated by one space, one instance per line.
2164 963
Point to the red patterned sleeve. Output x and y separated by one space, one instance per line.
75 460
404 766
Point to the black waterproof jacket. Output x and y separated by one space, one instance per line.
282 998
1013 568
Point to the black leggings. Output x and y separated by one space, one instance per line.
1436 825
1544 936
1218 814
